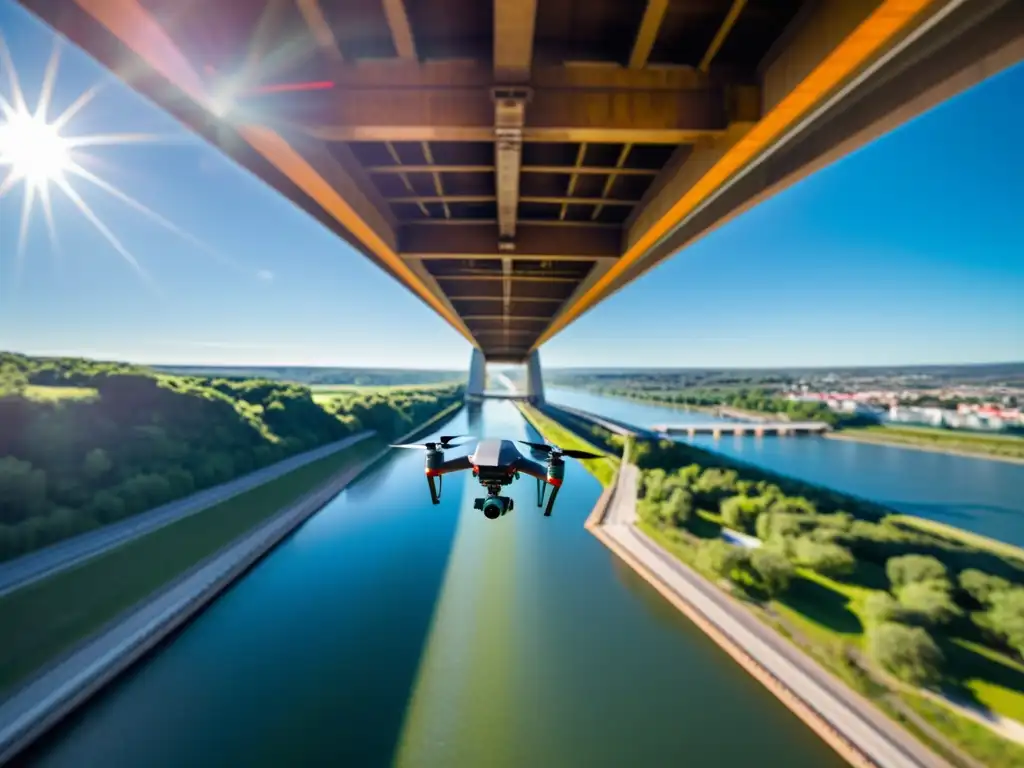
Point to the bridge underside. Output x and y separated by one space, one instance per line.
514 162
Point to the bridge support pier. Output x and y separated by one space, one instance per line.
477 375
534 378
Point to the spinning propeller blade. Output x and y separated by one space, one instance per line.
556 451
444 441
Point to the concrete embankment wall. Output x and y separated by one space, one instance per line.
798 706
98 661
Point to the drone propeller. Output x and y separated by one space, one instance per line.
554 450
445 441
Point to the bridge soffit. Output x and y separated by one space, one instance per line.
522 183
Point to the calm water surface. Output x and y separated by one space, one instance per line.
388 631
983 496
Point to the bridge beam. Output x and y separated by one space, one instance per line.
477 375
401 32
533 242
534 378
514 22
453 103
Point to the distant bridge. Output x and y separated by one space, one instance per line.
759 428
501 396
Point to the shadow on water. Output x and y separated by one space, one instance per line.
301 627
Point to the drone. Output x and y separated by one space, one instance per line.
496 463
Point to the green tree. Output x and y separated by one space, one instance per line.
775 572
909 653
676 510
910 569
741 512
1006 617
928 602
97 464
826 559
720 558
881 608
22 490
982 586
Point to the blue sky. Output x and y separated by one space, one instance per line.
909 251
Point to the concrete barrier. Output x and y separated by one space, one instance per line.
64 687
797 705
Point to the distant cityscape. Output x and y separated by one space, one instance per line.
959 410
983 397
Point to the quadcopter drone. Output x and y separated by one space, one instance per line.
496 463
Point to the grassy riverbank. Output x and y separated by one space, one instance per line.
555 434
1008 448
54 614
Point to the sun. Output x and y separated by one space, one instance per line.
38 156
34 149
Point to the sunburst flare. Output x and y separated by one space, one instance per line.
38 156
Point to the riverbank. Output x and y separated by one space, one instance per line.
851 728
860 435
107 647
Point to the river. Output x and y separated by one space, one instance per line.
389 631
978 495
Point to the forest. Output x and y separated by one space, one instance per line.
85 443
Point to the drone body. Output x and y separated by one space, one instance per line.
496 463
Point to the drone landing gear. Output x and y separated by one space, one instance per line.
435 490
541 489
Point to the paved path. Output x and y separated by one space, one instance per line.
38 565
622 508
858 720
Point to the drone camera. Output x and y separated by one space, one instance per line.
494 507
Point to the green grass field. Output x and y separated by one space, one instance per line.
45 619
952 533
554 433
996 445
323 393
34 392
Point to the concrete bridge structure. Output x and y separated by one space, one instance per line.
513 162
760 428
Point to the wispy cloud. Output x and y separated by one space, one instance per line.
265 275
223 345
